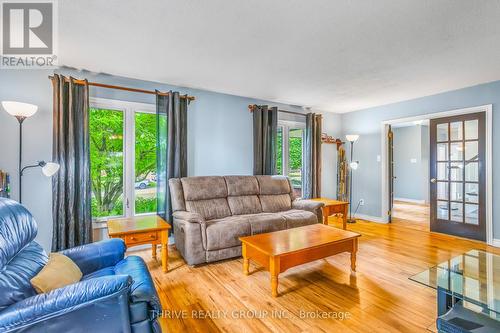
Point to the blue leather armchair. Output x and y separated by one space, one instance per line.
116 294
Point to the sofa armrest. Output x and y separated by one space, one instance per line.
311 206
308 205
94 256
189 217
107 295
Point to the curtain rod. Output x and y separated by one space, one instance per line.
251 106
109 86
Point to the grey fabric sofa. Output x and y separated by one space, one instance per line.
211 213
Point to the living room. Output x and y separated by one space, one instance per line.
237 167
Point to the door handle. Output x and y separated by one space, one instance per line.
433 180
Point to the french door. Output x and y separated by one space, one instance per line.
458 174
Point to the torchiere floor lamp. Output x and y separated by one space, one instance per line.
353 165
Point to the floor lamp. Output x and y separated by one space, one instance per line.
21 111
353 165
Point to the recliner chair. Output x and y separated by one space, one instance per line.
116 294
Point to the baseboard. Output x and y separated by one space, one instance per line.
421 202
370 218
495 242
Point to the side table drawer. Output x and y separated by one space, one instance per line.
140 238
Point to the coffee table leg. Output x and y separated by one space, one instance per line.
274 269
325 215
353 254
246 261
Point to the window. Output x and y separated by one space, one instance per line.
122 158
290 152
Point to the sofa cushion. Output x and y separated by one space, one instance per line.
274 185
275 203
202 188
60 271
242 185
244 204
176 194
265 222
224 233
209 209
298 218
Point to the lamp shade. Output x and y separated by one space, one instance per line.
18 109
49 169
352 137
354 165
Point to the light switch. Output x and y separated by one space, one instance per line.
413 160
378 158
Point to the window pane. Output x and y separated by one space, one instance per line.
472 171
145 163
471 129
279 151
456 171
442 152
456 131
472 214
471 151
456 191
457 213
456 151
442 210
442 132
442 191
472 192
295 160
106 162
442 171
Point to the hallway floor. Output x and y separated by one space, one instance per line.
412 215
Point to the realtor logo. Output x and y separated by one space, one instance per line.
28 34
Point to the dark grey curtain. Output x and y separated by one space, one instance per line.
71 211
171 113
312 163
265 131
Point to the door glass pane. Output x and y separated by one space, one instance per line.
442 132
456 191
456 131
471 151
279 151
472 192
442 210
442 152
145 163
295 160
442 171
457 214
442 190
472 171
456 171
471 129
472 214
106 162
456 151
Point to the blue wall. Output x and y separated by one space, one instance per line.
219 133
411 143
367 123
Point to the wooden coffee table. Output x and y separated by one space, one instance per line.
140 230
280 250
334 207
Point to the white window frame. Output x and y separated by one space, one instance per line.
286 125
129 110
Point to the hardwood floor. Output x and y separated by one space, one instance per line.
377 298
417 214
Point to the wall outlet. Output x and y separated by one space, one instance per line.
361 202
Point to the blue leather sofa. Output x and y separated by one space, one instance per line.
116 294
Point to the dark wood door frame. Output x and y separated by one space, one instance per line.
448 226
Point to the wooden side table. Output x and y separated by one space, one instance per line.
334 207
140 230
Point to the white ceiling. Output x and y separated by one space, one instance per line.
332 55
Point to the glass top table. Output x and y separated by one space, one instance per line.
473 277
